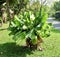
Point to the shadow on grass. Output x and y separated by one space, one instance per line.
56 30
12 50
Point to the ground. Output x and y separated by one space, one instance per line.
8 47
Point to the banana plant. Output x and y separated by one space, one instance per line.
27 25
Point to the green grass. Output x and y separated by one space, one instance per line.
8 48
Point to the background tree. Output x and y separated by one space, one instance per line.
10 5
35 6
56 7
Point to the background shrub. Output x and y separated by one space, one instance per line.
57 15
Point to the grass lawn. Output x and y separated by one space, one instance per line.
8 48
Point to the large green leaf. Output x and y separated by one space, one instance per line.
21 35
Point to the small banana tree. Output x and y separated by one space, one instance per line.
30 27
